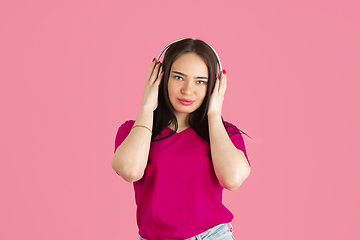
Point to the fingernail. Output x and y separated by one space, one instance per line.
162 71
218 78
158 62
154 59
224 72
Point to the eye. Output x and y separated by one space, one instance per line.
178 78
201 82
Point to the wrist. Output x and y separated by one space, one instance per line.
145 117
146 109
214 116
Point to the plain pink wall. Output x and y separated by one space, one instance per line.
72 71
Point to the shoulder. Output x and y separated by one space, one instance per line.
127 124
231 127
236 137
123 131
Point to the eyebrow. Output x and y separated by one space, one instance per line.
183 74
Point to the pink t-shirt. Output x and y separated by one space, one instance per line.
179 195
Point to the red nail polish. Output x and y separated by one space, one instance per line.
218 78
158 62
162 71
224 72
154 59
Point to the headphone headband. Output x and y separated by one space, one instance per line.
178 40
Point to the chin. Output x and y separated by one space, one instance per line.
187 110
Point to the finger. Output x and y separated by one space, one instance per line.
159 78
151 69
155 73
217 84
223 82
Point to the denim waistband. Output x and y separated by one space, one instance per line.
221 230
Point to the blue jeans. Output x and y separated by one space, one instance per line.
219 232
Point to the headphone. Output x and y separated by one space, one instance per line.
178 40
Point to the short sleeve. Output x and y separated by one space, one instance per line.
123 132
236 138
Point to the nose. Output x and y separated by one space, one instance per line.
186 88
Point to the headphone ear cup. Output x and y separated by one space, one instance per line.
160 69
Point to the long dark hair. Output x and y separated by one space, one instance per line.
164 114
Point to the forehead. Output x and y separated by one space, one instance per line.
190 63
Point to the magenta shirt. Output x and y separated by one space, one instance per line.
179 195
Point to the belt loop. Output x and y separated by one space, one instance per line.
231 228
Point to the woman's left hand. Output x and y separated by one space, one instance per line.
217 97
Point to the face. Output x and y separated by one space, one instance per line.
187 84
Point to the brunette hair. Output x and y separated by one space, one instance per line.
164 114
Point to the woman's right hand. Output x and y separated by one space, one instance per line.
150 98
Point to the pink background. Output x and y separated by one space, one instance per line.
72 71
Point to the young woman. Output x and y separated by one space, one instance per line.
179 153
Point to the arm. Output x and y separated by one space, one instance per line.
230 164
131 157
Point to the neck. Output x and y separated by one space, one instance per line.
182 120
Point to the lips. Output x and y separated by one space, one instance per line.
186 102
